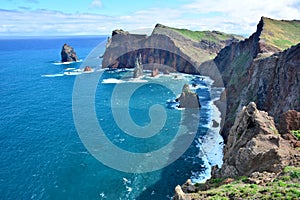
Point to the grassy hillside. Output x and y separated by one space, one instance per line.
200 46
280 33
286 186
214 36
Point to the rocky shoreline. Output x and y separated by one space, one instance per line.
255 150
262 69
258 146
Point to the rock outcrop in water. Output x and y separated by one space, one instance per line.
138 67
88 69
68 54
188 99
254 145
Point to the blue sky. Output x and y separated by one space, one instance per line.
95 17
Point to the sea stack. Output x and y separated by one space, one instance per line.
138 67
68 54
188 99
154 72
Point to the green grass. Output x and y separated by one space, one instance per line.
286 186
213 36
294 172
281 34
296 133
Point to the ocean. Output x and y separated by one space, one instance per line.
44 152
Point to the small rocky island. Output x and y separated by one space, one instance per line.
188 99
68 54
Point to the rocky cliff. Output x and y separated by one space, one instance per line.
254 145
264 69
167 49
257 70
254 149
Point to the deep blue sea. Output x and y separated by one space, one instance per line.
43 155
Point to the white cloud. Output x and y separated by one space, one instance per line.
243 15
96 4
230 16
45 22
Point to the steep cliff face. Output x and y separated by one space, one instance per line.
256 70
274 82
168 49
254 145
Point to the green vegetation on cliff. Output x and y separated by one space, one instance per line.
286 186
296 133
213 36
281 33
198 46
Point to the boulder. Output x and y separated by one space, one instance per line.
288 122
68 54
188 187
180 195
254 145
188 99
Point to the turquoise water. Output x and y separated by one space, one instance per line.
42 155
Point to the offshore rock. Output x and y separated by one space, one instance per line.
188 99
254 145
68 54
138 67
154 72
88 69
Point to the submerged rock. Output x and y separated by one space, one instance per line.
188 99
68 54
254 145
